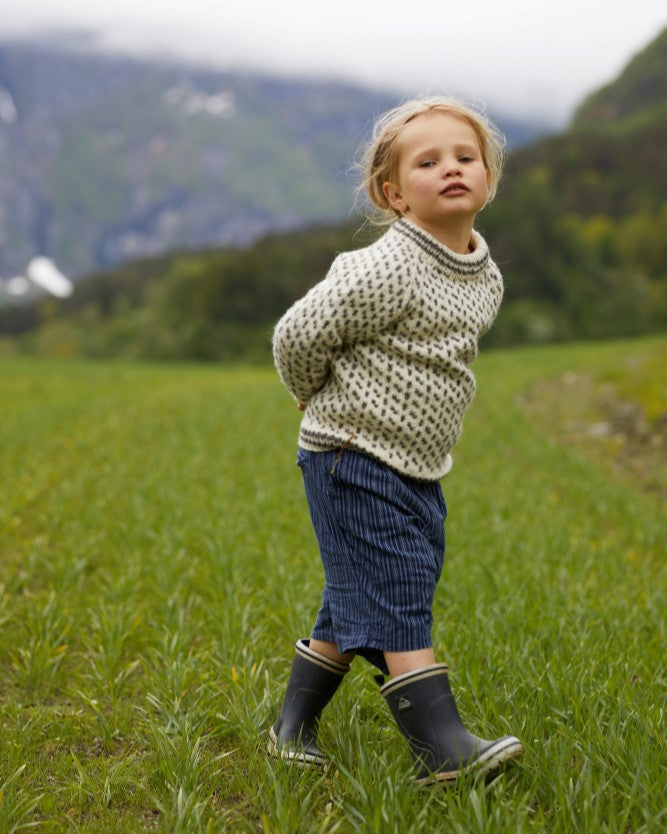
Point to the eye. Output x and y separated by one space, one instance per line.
466 158
427 163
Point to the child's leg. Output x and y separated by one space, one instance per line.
330 650
399 663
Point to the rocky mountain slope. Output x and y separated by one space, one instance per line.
104 158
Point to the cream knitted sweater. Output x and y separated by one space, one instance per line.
380 350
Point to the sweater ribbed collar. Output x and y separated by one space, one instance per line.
469 265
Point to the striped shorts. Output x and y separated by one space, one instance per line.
381 537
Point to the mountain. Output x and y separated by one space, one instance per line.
106 158
578 230
579 225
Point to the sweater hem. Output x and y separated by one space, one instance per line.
323 442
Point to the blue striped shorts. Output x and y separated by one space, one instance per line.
381 537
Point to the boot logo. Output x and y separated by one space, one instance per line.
403 703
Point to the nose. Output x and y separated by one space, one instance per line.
451 168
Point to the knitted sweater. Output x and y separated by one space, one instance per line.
380 350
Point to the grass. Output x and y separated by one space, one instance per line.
158 565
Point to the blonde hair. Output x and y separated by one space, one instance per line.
380 157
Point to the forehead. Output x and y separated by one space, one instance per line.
434 128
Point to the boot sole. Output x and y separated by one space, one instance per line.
296 756
490 760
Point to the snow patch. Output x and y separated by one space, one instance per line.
43 272
8 112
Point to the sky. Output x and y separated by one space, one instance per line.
530 58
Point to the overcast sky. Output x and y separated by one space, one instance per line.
526 57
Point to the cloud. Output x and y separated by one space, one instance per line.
527 56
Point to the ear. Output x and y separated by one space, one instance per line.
394 197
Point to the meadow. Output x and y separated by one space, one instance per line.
157 564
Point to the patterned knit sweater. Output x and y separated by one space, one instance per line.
380 350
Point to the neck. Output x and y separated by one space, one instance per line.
456 236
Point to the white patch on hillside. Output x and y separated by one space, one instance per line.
190 100
43 272
8 112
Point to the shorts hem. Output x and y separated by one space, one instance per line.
351 645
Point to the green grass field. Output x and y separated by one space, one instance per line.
157 565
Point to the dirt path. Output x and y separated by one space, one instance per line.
586 411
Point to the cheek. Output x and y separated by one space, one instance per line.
482 180
421 185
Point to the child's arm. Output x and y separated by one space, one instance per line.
352 304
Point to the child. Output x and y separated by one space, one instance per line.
377 356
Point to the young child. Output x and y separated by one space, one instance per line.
378 357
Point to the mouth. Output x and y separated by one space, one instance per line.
455 188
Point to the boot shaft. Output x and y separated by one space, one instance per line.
312 683
424 709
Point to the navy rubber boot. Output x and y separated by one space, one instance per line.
312 683
423 706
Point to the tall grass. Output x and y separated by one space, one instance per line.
157 565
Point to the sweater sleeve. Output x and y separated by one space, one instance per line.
355 301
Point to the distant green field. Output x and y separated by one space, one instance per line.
157 565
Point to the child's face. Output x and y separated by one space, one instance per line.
441 180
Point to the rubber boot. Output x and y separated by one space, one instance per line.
423 706
312 683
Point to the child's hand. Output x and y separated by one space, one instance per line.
301 406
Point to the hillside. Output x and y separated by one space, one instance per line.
578 230
579 226
106 158
640 91
216 304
